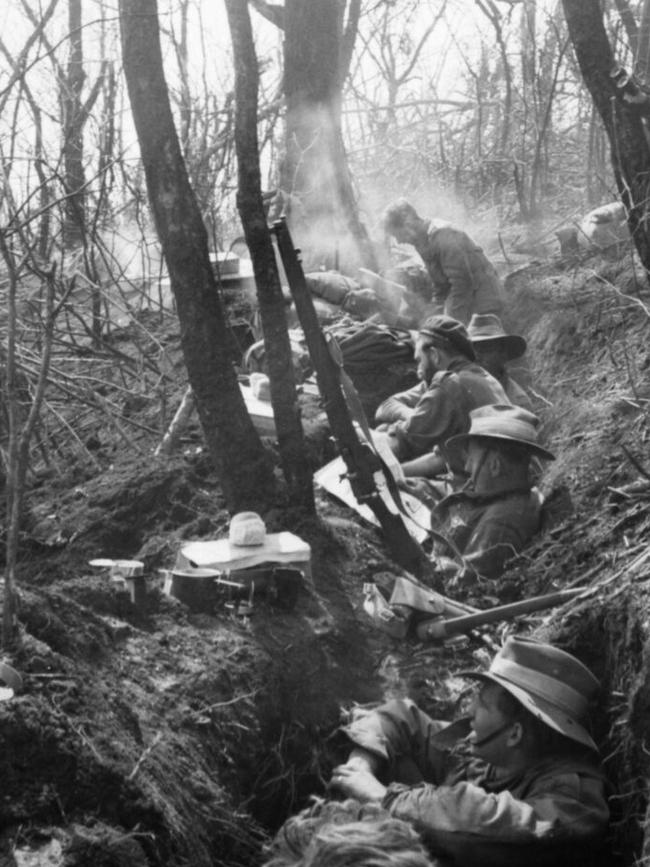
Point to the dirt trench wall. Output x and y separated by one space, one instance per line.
190 736
187 737
589 362
589 358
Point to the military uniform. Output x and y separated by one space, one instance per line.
551 814
487 529
465 281
426 416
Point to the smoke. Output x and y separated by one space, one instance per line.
431 201
126 253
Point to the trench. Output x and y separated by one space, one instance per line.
588 360
246 714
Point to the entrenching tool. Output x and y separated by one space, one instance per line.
438 629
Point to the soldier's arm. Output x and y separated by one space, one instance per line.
462 820
398 407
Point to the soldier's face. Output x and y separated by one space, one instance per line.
491 358
406 232
477 465
492 733
427 359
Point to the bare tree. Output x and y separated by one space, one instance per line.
237 452
21 425
315 178
624 125
269 290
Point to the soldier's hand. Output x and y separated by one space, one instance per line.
354 781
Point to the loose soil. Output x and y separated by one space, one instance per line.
160 736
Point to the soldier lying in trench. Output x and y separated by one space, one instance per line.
516 783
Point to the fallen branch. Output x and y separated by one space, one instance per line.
177 424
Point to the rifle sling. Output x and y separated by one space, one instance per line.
358 414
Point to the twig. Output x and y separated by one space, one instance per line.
230 701
617 291
538 396
177 424
101 402
636 463
503 249
62 675
86 740
633 567
144 756
67 426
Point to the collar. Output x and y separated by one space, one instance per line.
461 364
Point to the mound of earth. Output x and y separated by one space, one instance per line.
156 735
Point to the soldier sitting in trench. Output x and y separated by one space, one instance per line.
419 421
465 280
498 511
516 783
495 349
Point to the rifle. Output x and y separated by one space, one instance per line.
360 461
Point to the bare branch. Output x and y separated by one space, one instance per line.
349 37
20 67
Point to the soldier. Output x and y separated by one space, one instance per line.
465 281
498 511
494 349
419 421
515 783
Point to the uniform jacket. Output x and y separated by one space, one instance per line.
426 416
552 814
487 529
465 281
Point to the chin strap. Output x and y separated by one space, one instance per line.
489 738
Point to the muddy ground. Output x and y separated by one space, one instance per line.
160 736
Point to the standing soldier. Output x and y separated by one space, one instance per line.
465 281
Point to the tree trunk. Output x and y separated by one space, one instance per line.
244 469
629 22
269 290
642 48
73 124
322 207
629 150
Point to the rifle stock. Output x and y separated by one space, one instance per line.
358 458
